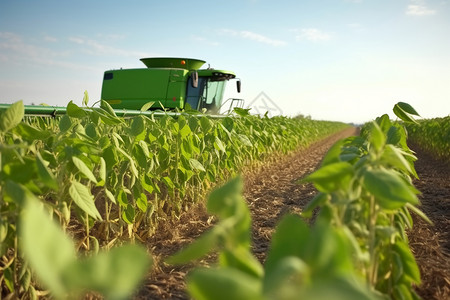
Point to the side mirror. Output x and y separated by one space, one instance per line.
238 86
194 79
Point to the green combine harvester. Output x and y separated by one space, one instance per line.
170 83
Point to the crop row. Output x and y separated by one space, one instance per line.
105 179
432 135
357 247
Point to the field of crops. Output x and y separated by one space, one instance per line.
82 194
357 247
432 135
106 180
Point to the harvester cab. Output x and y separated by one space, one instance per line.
170 83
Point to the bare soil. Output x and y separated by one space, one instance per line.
272 191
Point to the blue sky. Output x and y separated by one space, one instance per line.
346 60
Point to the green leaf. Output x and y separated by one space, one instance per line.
405 112
85 98
185 131
141 202
81 166
45 174
168 182
390 191
65 123
419 212
107 108
332 177
225 200
12 116
48 250
91 131
83 198
196 165
408 108
137 125
223 284
288 275
115 274
147 106
377 137
27 131
240 258
128 214
219 145
241 111
102 169
290 237
245 140
110 196
410 268
395 157
75 111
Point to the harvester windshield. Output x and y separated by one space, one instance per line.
208 94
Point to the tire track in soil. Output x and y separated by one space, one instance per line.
270 191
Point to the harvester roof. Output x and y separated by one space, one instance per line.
173 62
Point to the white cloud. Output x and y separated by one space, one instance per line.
356 27
51 39
203 40
312 34
419 8
93 47
16 51
254 37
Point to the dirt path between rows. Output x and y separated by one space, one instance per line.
271 191
430 244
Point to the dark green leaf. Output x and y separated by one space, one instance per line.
404 115
128 214
408 108
390 191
